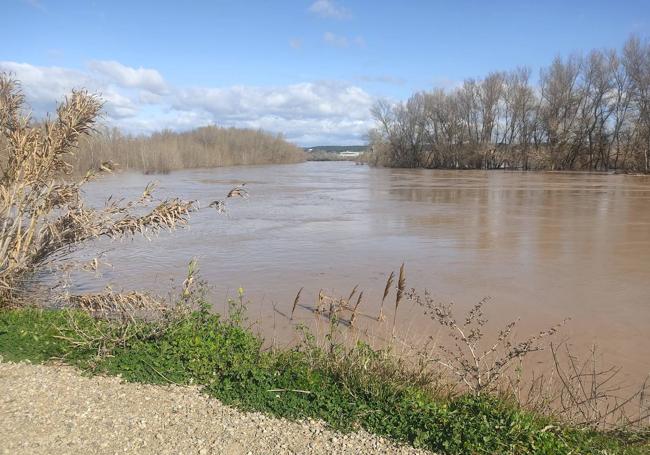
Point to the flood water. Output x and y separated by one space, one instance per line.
543 246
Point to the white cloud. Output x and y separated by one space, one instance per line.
343 41
36 4
359 41
307 113
295 43
382 79
142 78
328 8
335 40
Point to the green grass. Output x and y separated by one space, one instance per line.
229 362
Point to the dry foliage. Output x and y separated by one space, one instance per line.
42 214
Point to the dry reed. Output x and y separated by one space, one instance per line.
42 214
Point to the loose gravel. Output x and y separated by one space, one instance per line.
54 409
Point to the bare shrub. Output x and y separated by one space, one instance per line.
42 214
467 355
480 367
586 392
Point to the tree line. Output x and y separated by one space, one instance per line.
165 151
585 112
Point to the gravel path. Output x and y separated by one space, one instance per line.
56 410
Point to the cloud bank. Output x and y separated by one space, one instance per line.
139 100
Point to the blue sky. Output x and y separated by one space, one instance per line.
310 69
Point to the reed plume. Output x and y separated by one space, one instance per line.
295 302
401 285
389 282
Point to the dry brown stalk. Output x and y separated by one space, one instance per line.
319 303
295 302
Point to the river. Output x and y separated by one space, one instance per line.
543 246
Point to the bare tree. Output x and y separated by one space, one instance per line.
590 112
637 64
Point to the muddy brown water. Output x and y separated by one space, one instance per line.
543 246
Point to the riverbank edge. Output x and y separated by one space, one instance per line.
55 409
347 389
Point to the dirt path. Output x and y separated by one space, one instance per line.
56 410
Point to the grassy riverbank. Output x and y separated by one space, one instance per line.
347 388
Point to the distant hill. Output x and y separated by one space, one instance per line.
336 148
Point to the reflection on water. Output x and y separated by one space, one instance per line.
544 246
